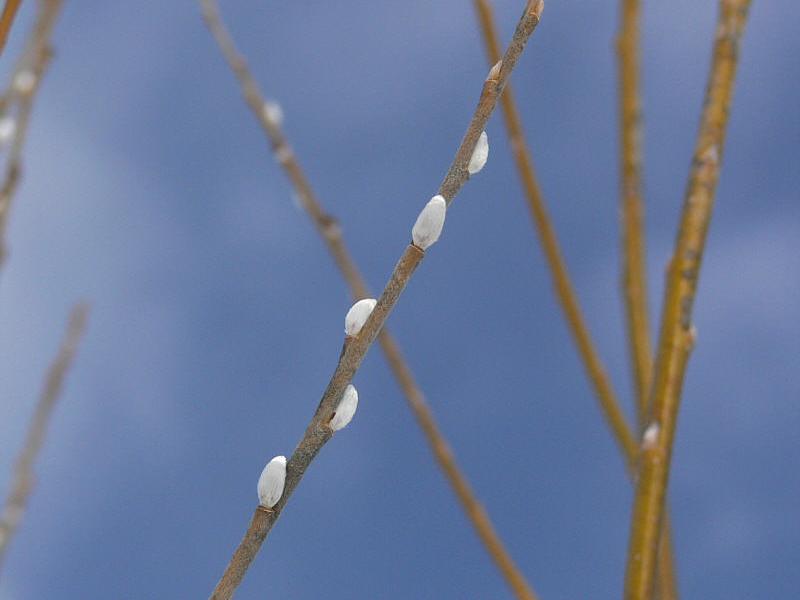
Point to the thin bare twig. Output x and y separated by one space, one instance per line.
566 295
6 20
354 349
33 63
677 333
331 234
23 482
558 268
634 261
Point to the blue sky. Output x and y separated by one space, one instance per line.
217 315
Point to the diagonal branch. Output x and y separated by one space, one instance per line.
23 482
331 234
318 433
558 268
25 83
634 261
677 333
10 9
564 290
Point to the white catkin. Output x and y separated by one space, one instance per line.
479 155
273 112
429 224
24 82
271 482
357 315
346 409
650 436
8 127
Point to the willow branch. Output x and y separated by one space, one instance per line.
634 262
677 333
32 64
331 234
317 433
23 481
558 268
7 20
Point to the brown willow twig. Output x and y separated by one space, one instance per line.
564 290
318 433
23 482
6 20
558 268
331 234
677 333
34 61
634 262
566 294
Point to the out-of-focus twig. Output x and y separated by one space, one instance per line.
23 481
7 20
558 268
317 433
677 332
331 234
634 257
19 97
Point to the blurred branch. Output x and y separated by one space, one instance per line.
20 94
634 261
7 20
677 333
331 234
23 481
318 433
558 268
566 295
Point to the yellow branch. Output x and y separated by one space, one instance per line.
677 333
634 262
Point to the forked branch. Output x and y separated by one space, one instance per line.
677 332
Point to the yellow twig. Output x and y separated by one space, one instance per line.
331 234
634 262
677 333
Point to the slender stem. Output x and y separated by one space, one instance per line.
634 261
317 433
332 236
677 334
558 268
6 20
35 59
614 415
23 482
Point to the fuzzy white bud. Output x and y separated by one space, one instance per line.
24 82
273 112
480 155
346 409
650 436
357 315
430 221
271 482
8 127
